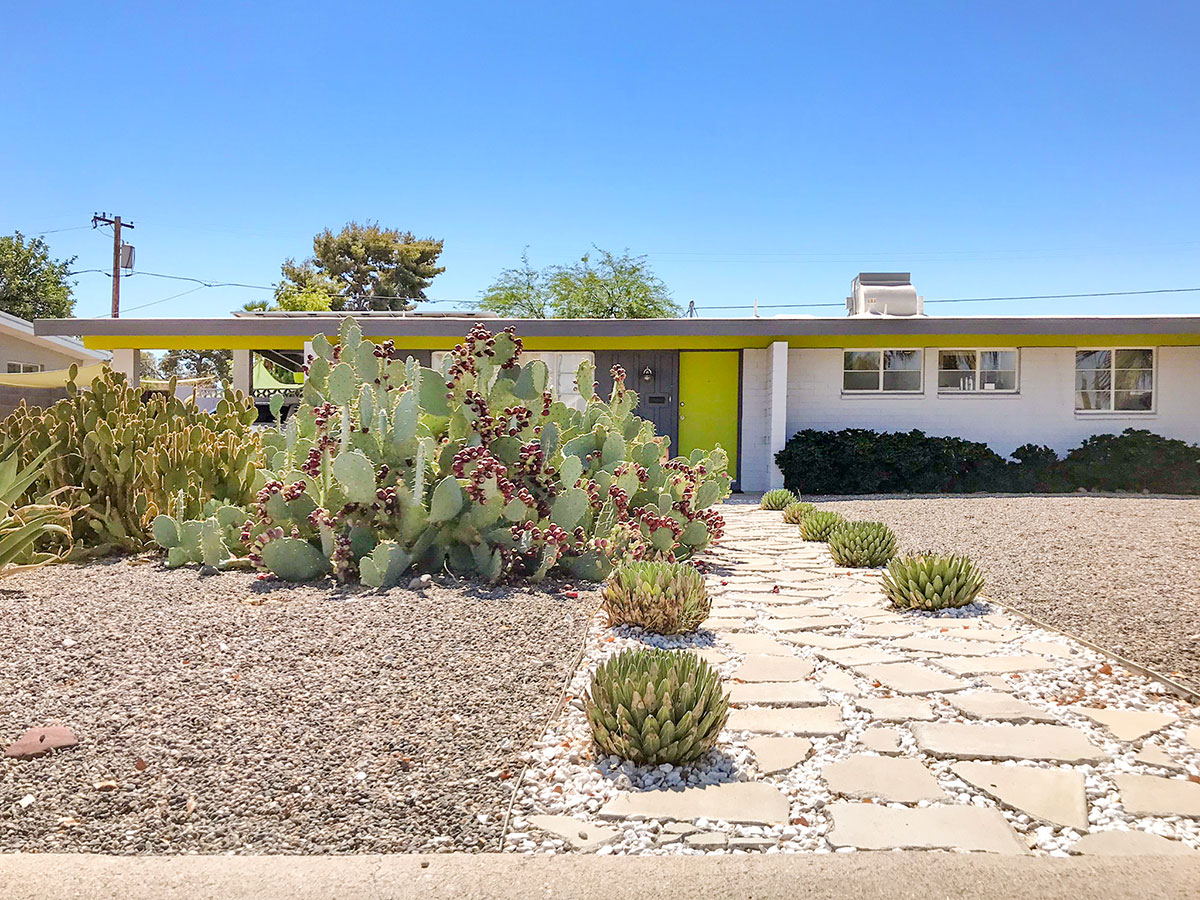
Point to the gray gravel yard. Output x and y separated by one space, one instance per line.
228 714
1121 571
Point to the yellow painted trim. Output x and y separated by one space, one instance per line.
663 342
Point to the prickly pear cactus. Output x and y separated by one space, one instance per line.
478 468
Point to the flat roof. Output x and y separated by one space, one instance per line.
455 326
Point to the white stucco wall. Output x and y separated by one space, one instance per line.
1041 412
755 450
15 350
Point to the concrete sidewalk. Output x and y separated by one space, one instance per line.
927 876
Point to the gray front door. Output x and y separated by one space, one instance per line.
654 375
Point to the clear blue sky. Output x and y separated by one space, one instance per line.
757 150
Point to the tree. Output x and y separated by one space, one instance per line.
614 287
198 364
365 267
32 285
148 366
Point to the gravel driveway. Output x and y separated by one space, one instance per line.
229 714
1121 571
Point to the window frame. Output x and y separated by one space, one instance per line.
880 390
979 351
24 368
1112 411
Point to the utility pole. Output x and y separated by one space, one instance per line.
117 224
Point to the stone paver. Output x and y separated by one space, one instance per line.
808 720
885 778
1129 843
773 668
1193 736
999 706
822 641
775 693
881 740
839 680
752 642
889 629
992 635
897 709
805 623
993 665
708 840
1053 795
1128 724
740 802
945 647
868 826
968 741
860 656
1154 755
911 678
576 832
1150 795
713 656
778 754
1049 648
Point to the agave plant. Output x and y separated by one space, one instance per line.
654 706
862 544
22 526
778 498
794 512
666 598
819 524
931 581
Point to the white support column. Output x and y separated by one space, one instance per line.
126 362
242 371
777 376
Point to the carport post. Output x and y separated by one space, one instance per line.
777 375
126 361
242 371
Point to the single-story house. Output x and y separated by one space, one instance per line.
32 365
750 383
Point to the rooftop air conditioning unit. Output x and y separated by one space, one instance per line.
884 294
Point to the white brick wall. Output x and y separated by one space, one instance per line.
755 449
1043 412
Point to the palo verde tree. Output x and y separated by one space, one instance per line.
32 284
608 287
362 267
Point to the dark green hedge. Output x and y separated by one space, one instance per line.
861 461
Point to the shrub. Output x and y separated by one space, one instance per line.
794 512
860 461
654 706
123 459
387 465
778 498
862 544
665 598
819 524
1135 460
931 581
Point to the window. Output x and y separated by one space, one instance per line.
897 371
18 368
977 370
1114 380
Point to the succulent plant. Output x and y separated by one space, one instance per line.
127 458
662 597
387 465
24 525
211 540
654 706
819 524
931 581
778 498
794 512
862 544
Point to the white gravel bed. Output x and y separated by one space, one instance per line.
226 714
565 777
1122 571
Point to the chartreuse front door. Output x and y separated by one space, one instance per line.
708 402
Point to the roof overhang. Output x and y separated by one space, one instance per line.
62 342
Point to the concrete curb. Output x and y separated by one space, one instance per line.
501 877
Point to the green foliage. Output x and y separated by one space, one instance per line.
185 364
209 540
819 524
32 284
779 498
931 581
794 512
24 525
862 544
477 469
361 267
654 706
123 460
614 287
665 598
860 461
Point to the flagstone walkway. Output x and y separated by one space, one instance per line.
856 727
